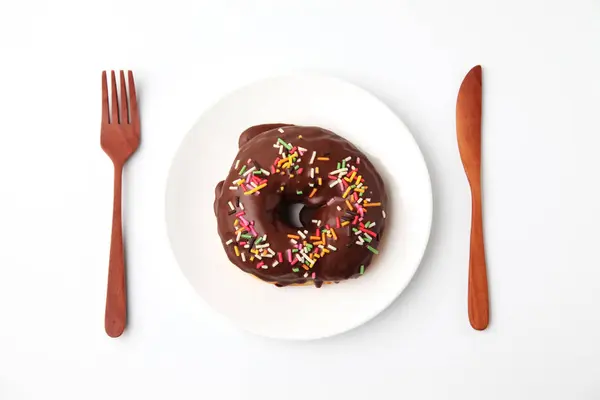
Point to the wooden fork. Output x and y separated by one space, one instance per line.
119 138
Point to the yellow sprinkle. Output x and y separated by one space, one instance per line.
323 238
346 192
299 136
282 173
361 190
251 258
317 256
283 160
315 237
372 205
255 189
265 253
358 179
293 236
349 205
323 158
240 230
320 181
237 251
254 251
291 176
277 170
333 233
345 223
317 170
236 222
313 192
317 243
326 251
281 188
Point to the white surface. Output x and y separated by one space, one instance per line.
298 312
542 202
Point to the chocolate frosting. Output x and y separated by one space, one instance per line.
350 248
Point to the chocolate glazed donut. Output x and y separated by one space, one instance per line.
343 217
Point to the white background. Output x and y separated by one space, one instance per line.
541 64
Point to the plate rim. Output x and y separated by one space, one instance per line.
339 81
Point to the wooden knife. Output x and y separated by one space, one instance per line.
468 132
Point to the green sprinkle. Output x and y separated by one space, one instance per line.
343 163
352 186
298 192
257 172
367 224
361 194
242 170
367 238
284 144
373 250
362 269
306 262
295 269
246 236
296 167
354 230
258 241
339 166
294 250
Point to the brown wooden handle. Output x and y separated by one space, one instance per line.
116 293
478 287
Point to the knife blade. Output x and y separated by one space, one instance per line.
468 132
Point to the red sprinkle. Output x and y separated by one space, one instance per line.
318 232
280 257
260 264
299 171
368 231
337 222
240 213
355 220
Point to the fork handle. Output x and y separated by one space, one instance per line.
478 286
116 293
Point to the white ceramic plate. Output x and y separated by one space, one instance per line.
207 153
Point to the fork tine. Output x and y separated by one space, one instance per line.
114 118
133 106
123 103
104 99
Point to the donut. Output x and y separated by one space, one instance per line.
280 167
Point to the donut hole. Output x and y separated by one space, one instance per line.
289 213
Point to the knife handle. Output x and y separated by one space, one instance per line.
478 286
